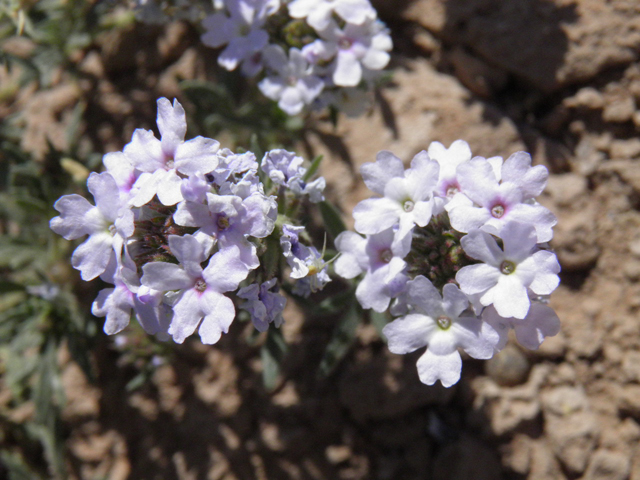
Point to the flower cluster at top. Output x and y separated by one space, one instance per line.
310 52
456 248
177 226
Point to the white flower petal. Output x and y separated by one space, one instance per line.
409 333
445 368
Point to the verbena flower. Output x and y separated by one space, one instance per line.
229 220
407 195
108 224
415 229
506 275
307 266
178 225
292 83
380 259
117 303
200 301
448 159
241 31
265 303
314 47
351 50
164 161
318 13
541 322
285 168
488 199
439 323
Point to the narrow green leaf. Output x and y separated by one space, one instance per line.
272 354
17 467
379 320
6 287
313 168
332 220
136 382
343 337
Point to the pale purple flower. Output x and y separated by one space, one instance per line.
117 303
199 301
541 322
282 166
122 171
237 174
380 259
46 291
354 48
164 161
506 276
318 12
195 187
242 33
448 159
440 323
307 266
293 85
229 219
109 223
285 168
486 199
407 195
232 167
264 302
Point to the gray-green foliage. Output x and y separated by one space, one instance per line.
39 313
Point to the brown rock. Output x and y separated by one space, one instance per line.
575 238
573 438
549 44
477 75
625 149
544 465
509 408
608 465
587 97
565 189
631 366
509 367
571 426
517 454
627 169
619 110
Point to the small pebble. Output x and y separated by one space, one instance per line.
509 367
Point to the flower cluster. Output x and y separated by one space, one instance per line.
456 248
310 52
178 225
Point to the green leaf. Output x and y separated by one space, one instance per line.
343 337
17 467
136 382
313 168
7 287
272 353
332 220
379 320
15 256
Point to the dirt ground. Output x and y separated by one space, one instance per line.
557 78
